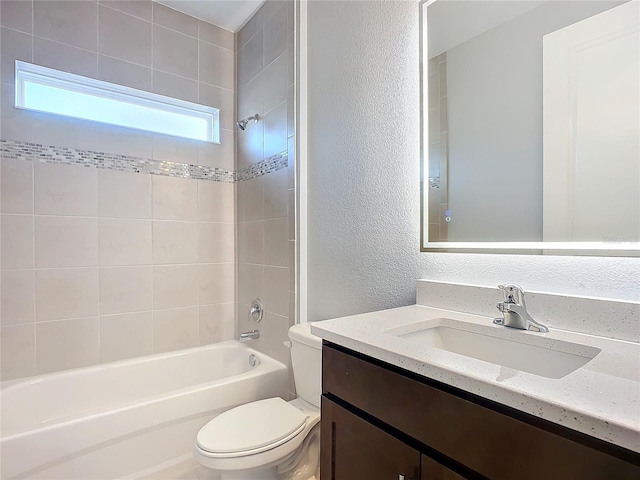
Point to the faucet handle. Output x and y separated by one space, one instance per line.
256 310
512 293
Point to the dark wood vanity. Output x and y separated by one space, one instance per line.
383 422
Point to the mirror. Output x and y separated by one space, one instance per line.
531 126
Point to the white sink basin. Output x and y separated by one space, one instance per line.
516 349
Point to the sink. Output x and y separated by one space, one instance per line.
525 351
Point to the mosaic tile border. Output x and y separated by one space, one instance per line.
269 165
125 163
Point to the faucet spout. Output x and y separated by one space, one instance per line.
514 311
252 335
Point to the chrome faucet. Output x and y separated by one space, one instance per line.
252 335
514 310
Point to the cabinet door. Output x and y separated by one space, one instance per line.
432 470
353 449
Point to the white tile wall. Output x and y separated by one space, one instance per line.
134 43
123 195
126 289
216 202
125 242
18 344
66 23
175 329
175 242
65 293
16 189
100 265
216 283
212 326
126 335
67 344
140 9
65 191
174 199
107 275
17 14
216 242
124 37
66 241
175 286
266 214
180 22
17 300
17 241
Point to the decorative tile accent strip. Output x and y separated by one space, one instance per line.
269 165
123 163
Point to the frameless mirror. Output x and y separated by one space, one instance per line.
531 121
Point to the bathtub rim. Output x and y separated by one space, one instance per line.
265 361
5 384
138 415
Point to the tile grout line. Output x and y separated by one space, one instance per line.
152 73
98 190
33 227
125 219
153 282
97 39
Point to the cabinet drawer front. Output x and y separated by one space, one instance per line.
353 449
490 443
432 470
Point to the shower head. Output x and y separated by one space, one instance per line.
242 124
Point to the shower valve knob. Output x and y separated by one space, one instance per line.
256 310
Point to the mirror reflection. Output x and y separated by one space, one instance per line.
533 122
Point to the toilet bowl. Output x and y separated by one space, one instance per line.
271 439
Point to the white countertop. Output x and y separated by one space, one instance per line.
601 399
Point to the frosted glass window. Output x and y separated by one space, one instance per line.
43 89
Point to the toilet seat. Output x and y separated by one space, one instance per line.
251 428
271 456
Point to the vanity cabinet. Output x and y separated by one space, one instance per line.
360 450
382 422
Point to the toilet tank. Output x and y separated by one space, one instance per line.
306 361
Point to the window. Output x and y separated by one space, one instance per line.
46 90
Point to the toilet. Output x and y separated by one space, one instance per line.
271 439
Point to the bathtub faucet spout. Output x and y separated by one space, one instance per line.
252 335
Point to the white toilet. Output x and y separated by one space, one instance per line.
271 439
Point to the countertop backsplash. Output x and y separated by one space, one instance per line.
607 318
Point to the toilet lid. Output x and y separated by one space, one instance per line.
265 423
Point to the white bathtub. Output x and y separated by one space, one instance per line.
127 418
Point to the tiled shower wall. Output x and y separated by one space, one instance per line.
99 265
266 222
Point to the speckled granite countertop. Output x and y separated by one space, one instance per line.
601 399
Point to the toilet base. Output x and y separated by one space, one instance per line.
266 474
257 474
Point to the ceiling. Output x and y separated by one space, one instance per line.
228 14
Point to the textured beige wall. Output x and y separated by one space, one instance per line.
363 156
